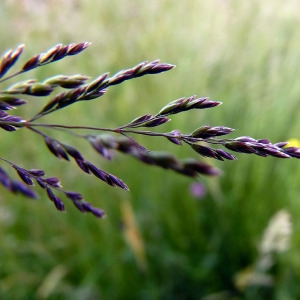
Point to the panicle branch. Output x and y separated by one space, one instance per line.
58 52
98 87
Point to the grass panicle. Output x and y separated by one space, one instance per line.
123 139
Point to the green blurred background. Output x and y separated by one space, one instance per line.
158 240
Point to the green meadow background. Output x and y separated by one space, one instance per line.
159 241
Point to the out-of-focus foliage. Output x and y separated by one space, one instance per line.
160 241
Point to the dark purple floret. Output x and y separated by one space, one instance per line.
99 213
225 154
50 194
16 101
239 147
74 196
161 159
200 167
158 68
141 119
5 180
82 165
73 152
61 53
19 187
273 152
206 151
3 114
174 140
6 106
31 63
100 148
245 139
98 173
264 141
56 148
281 144
53 181
8 127
59 204
207 104
117 181
9 58
156 122
79 206
97 84
74 49
37 172
292 151
41 182
24 176
93 95
14 119
55 199
211 131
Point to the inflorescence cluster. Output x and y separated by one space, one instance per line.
107 140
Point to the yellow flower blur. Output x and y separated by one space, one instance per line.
293 143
